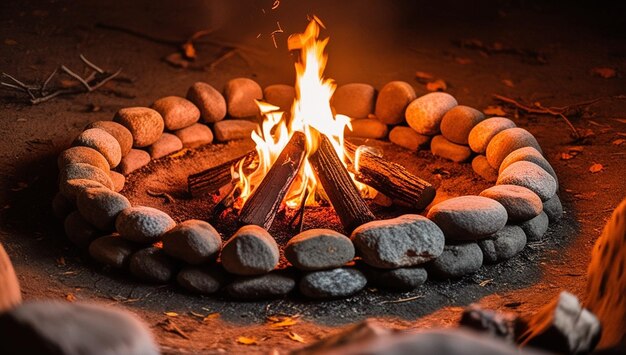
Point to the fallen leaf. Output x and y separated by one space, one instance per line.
170 326
189 51
619 141
437 85
566 156
10 42
282 323
604 72
508 82
494 111
295 337
211 316
247 340
595 168
70 297
463 60
171 314
423 77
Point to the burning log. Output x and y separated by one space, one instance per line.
391 179
214 178
261 207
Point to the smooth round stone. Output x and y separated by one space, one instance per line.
103 142
553 208
134 160
457 123
112 250
100 206
166 144
319 249
355 100
275 284
280 95
480 136
10 294
250 251
528 154
177 112
402 279
367 128
79 231
152 265
210 102
84 171
392 101
521 204
195 135
442 147
531 176
61 206
71 188
535 228
193 241
118 180
241 94
228 130
481 166
145 124
407 138
201 279
82 155
407 240
342 282
143 224
121 134
425 113
503 245
456 261
468 217
505 142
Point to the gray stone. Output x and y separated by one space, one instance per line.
528 154
152 265
407 138
457 123
143 224
530 176
52 327
145 124
250 251
134 160
503 245
342 282
481 166
521 204
62 206
121 134
82 155
280 95
535 228
355 100
112 250
79 231
177 112
118 180
456 261
392 101
442 147
401 279
480 136
166 144
71 188
403 241
202 279
103 142
507 141
367 128
553 208
10 293
193 241
424 114
468 217
241 94
210 102
100 206
83 171
319 249
195 135
274 284
228 130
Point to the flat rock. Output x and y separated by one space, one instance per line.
442 147
118 180
319 249
100 206
367 128
355 100
83 171
71 188
193 241
112 250
152 265
134 160
177 112
457 123
341 282
121 134
553 208
507 141
103 142
250 251
406 137
536 228
521 204
274 284
468 217
210 102
79 231
228 130
145 124
456 261
401 279
399 242
280 95
62 206
195 135
530 176
202 279
503 245
167 144
10 294
85 155
241 94
481 166
425 113
143 224
528 154
392 101
480 136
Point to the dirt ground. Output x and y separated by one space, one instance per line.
547 54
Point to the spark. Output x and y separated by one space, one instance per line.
273 34
275 4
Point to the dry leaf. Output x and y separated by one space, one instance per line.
70 297
494 111
508 82
619 141
604 72
171 314
247 340
423 77
463 60
437 85
295 337
189 51
211 316
285 322
596 168
10 42
566 156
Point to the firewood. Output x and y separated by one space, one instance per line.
214 178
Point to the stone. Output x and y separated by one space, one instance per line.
10 293
195 135
165 145
404 241
401 279
457 260
468 217
503 245
280 95
145 124
71 188
53 327
505 142
85 155
61 206
228 130
83 171
210 102
335 283
143 224
118 180
442 147
457 123
193 241
152 265
530 176
521 204
480 136
319 249
366 128
250 251
202 279
407 138
103 142
241 94
177 112
481 166
134 160
100 206
111 250
392 101
355 100
121 134
535 228
553 208
272 285
79 231
528 154
425 113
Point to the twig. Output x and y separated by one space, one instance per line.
168 198
402 300
91 65
170 326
